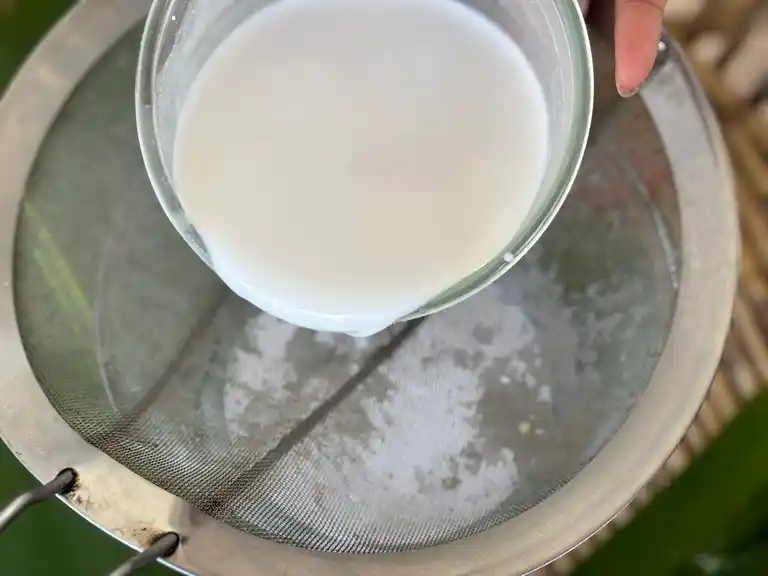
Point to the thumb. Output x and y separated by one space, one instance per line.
637 33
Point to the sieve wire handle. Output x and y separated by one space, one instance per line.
63 483
162 547
662 54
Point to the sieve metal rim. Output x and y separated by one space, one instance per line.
132 509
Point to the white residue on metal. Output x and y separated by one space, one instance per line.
544 394
277 374
443 433
409 451
265 372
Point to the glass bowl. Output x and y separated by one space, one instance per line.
180 35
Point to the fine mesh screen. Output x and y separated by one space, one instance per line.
429 432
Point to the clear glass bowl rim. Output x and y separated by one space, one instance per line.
576 143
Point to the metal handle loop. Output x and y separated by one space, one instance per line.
662 54
162 547
63 483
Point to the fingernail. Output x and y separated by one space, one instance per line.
625 92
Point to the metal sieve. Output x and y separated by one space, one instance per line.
486 439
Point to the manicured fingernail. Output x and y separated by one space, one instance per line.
625 92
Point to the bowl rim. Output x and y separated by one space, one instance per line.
580 53
128 506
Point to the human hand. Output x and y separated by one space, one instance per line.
637 30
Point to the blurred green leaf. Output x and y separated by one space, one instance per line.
22 24
721 496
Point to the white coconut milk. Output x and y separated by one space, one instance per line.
345 161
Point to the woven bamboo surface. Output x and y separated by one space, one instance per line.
727 41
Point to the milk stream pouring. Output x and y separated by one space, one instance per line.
346 161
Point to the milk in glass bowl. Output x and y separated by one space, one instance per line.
345 164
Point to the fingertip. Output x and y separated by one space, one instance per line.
638 29
635 57
626 92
